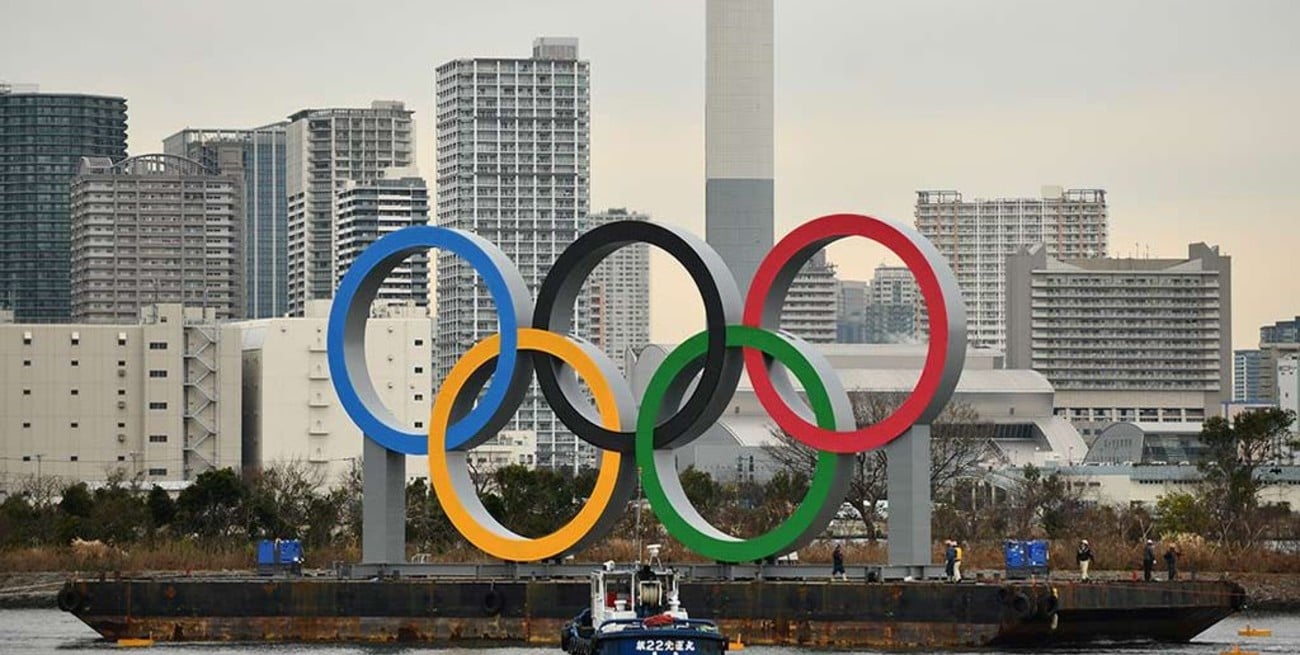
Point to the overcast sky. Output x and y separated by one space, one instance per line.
1185 112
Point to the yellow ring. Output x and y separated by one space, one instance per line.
497 540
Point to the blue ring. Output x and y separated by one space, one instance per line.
345 340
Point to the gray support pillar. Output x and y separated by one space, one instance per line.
383 505
908 471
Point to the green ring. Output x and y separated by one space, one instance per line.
680 518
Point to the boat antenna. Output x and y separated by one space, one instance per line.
637 538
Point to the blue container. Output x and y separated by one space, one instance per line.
1014 552
1026 558
266 552
1037 553
290 551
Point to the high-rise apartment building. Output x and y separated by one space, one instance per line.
620 294
851 311
809 311
893 307
261 163
43 137
738 134
1124 339
514 141
368 210
326 148
1276 341
977 236
155 229
154 399
1245 376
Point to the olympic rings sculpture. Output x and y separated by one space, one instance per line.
686 394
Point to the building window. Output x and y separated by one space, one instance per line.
76 338
76 392
157 438
27 362
121 338
121 362
121 458
27 392
157 373
157 471
74 424
419 342
121 425
27 338
72 458
76 363
157 345
121 392
27 424
419 397
419 369
419 424
157 405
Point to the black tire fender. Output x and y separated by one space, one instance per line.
493 602
1049 604
1022 605
69 599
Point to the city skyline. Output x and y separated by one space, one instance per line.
1186 140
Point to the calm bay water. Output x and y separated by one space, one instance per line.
51 632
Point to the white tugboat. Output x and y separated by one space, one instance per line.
636 611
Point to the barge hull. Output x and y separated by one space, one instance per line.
893 616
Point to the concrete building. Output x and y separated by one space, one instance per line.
370 209
851 311
43 137
290 410
1245 376
894 307
977 236
1146 340
155 400
509 448
260 160
738 133
155 229
514 160
620 294
326 148
1014 406
1124 485
809 311
1275 342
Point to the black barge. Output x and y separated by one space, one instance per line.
524 608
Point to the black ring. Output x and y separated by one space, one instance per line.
553 311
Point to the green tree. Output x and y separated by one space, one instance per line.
1181 513
533 502
1042 502
1232 468
162 509
214 505
120 515
427 526
77 501
705 494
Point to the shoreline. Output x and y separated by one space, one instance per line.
1267 592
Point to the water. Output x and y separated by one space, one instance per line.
51 632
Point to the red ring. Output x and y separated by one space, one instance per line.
827 229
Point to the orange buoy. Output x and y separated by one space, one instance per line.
1250 631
